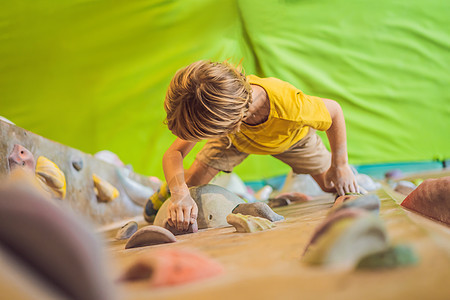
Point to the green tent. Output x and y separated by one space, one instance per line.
93 74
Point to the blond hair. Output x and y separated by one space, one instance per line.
206 100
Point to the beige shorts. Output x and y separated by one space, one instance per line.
307 156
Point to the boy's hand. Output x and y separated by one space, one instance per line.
182 210
342 179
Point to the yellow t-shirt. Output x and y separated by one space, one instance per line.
291 115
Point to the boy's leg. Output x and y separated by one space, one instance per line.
309 156
215 156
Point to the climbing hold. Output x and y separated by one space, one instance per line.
277 202
168 267
330 220
404 187
52 244
137 192
127 230
341 199
264 193
150 235
21 157
393 174
193 228
367 183
392 257
257 209
214 204
288 198
432 199
104 191
245 223
346 240
77 163
369 202
109 157
51 177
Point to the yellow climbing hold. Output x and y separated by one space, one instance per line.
51 177
104 190
246 223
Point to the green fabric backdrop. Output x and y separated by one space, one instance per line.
93 74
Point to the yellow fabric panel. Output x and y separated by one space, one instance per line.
291 114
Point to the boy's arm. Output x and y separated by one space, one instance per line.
339 175
182 209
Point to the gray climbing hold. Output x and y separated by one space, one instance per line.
347 241
77 163
277 202
248 224
330 220
137 192
258 209
405 187
150 235
127 230
214 204
369 202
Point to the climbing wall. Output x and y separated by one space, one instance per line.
268 264
80 195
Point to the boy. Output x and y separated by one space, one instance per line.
240 116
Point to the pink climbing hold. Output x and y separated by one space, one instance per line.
432 199
21 157
168 267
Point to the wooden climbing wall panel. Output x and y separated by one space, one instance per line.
80 194
267 265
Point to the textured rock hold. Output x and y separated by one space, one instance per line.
432 199
109 157
104 191
51 177
127 230
214 204
404 187
257 209
21 157
53 244
264 193
393 174
150 235
248 224
168 267
77 163
349 213
277 202
137 192
288 198
347 241
369 202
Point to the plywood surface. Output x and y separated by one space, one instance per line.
267 265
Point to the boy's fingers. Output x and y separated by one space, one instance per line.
180 218
173 217
169 221
340 190
194 213
187 218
